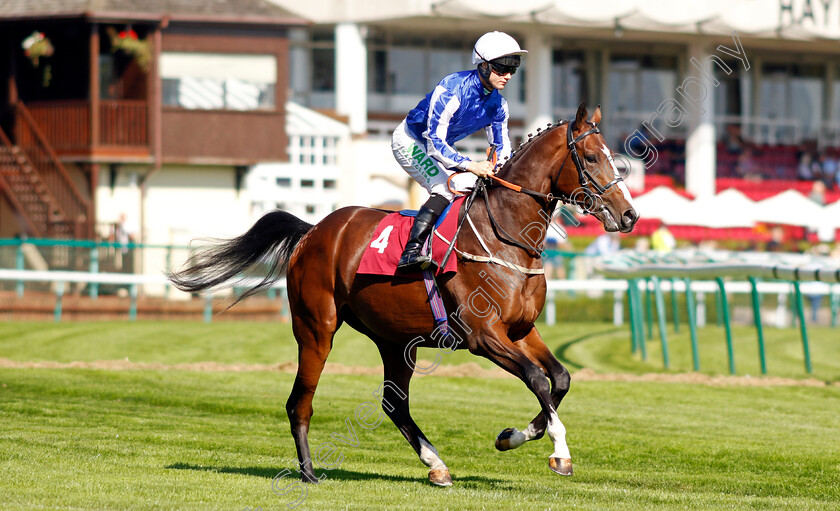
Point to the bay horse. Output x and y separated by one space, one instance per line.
493 305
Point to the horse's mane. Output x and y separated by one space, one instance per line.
523 146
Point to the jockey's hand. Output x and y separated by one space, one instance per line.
481 168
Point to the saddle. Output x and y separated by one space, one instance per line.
388 241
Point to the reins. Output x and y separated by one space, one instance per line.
588 204
547 197
497 228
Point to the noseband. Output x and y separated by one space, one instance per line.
587 182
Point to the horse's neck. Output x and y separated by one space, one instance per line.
540 159
514 217
532 169
513 209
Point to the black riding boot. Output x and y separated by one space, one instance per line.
412 260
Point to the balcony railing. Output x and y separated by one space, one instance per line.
67 124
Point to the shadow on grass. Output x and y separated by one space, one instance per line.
336 474
560 352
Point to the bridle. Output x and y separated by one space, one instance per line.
591 202
585 178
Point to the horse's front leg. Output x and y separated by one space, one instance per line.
533 347
515 357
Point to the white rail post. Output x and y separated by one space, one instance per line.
551 309
618 308
701 309
781 310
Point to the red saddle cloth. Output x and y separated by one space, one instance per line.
386 246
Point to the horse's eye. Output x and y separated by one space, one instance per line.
591 158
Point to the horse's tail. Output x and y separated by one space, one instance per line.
270 241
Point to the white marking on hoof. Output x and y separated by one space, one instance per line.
430 456
557 433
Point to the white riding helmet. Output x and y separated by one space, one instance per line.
493 45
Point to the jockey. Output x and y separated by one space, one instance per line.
461 104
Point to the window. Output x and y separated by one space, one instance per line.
637 86
406 70
323 69
310 209
567 73
312 67
307 183
284 182
402 67
207 81
329 184
732 96
792 96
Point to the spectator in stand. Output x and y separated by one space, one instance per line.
746 167
732 139
835 253
641 245
777 240
818 193
662 240
604 245
829 169
809 167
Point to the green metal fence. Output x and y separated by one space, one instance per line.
781 272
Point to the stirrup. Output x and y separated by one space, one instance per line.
415 261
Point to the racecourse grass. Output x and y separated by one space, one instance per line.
597 346
91 439
176 439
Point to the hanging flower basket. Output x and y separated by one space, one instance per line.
37 45
128 42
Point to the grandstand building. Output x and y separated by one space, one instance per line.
733 89
248 106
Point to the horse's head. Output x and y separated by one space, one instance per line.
589 176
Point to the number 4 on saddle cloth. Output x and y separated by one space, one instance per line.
386 245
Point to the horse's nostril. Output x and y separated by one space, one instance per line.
630 217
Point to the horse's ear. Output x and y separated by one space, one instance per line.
580 116
596 115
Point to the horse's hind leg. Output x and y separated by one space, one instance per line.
395 403
314 343
536 350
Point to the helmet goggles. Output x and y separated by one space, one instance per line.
504 65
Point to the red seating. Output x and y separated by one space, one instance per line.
760 190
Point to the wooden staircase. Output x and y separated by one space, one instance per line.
38 186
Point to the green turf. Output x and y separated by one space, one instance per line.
86 439
598 346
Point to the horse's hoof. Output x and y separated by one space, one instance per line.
509 438
309 479
440 477
562 466
503 440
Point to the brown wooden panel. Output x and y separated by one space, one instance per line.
66 124
124 123
225 136
174 40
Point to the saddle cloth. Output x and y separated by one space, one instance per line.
385 247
